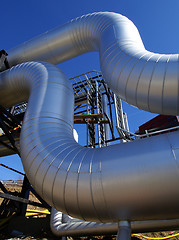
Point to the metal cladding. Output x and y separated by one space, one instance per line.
62 225
142 78
134 181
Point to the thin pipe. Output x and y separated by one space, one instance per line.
76 227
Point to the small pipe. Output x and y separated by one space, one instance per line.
67 226
124 232
106 126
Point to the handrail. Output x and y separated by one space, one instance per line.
148 134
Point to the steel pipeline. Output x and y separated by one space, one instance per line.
134 181
142 78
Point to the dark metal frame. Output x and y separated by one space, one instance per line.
14 202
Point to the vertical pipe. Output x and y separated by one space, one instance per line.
119 117
106 126
126 122
98 110
124 232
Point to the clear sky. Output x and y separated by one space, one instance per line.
156 20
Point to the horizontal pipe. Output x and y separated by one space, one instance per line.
144 79
75 227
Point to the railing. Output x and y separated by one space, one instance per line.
147 134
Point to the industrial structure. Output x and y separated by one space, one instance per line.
130 186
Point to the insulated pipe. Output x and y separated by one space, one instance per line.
131 181
141 78
76 227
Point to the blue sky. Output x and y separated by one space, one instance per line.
156 20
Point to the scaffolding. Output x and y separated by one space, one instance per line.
99 108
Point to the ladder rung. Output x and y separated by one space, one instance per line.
81 121
90 116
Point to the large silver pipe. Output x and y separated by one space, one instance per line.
142 78
131 181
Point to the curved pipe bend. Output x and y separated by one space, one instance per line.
141 78
62 225
134 181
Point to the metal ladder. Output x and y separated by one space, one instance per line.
121 119
90 125
101 131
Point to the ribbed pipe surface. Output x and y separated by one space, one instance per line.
142 78
75 227
133 181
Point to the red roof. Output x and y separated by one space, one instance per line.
159 122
